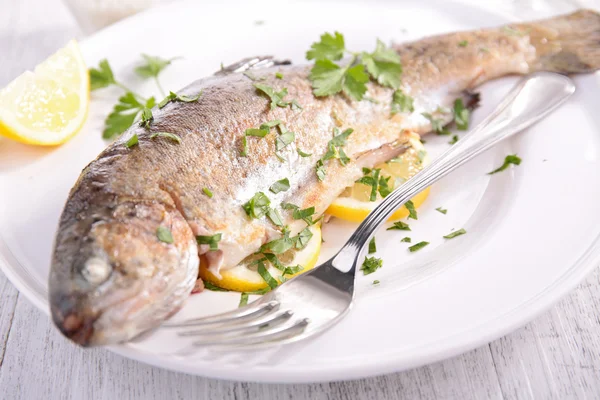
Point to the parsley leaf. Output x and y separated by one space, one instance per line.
153 66
376 282
102 76
167 135
270 124
371 178
418 246
292 270
243 300
123 115
455 234
133 141
372 246
402 102
264 273
280 186
463 43
320 170
278 75
212 241
305 214
454 139
510 159
244 151
178 97
214 288
146 117
399 226
164 235
334 150
384 65
277 98
437 124
329 78
442 210
331 47
406 239
412 212
280 245
302 154
256 132
461 115
284 139
275 217
370 265
257 206
207 192
303 238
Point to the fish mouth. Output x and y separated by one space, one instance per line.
76 325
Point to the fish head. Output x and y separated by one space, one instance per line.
114 276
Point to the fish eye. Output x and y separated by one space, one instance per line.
96 270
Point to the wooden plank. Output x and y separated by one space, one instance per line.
8 302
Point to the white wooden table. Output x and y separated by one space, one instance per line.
555 356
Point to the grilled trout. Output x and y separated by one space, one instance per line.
113 278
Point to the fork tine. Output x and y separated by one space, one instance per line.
243 314
266 335
268 319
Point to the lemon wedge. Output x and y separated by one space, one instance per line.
49 105
354 204
245 277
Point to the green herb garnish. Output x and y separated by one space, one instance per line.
178 97
244 151
102 76
406 239
243 300
417 246
212 241
213 287
133 141
207 192
280 186
124 113
164 235
437 124
461 115
302 154
370 265
303 238
305 214
442 210
257 206
277 98
372 179
152 67
280 245
329 78
376 282
463 43
412 212
167 135
292 270
510 159
402 102
399 226
275 217
256 132
320 170
334 150
264 273
278 75
372 246
454 139
455 234
284 139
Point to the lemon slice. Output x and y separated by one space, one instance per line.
245 278
48 106
354 204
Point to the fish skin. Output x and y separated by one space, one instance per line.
112 279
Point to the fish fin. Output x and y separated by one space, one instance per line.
566 44
251 63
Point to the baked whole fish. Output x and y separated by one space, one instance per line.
112 278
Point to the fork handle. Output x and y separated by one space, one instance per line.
534 97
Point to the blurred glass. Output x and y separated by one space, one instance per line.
96 14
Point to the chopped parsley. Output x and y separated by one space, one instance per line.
370 265
412 212
461 115
376 282
320 170
371 178
147 117
167 135
305 214
164 235
275 217
278 75
277 98
280 245
243 300
214 288
329 78
402 102
442 210
211 241
406 239
454 139
257 206
207 192
284 139
256 132
270 124
292 270
437 124
302 154
280 186
266 275
372 246
399 226
463 43
133 141
508 160
418 246
244 151
178 97
455 234
303 238
334 150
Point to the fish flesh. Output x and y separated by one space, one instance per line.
112 278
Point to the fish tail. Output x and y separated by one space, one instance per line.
566 44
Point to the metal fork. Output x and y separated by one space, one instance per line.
315 301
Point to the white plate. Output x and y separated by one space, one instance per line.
532 230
